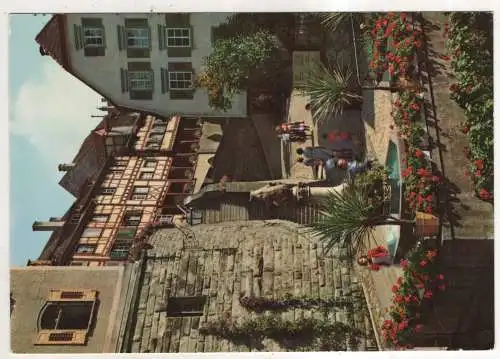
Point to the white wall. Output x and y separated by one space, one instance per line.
103 72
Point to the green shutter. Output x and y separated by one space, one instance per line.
164 80
126 232
161 37
150 42
124 80
120 30
77 31
191 33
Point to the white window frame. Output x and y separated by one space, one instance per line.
175 37
140 80
96 33
94 232
172 78
140 35
100 218
148 163
146 175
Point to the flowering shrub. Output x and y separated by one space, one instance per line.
420 183
420 282
470 42
395 42
376 252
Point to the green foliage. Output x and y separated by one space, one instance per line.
471 43
301 334
261 304
232 62
330 90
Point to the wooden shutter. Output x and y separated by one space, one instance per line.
72 295
120 31
164 80
124 80
78 36
61 337
179 21
162 40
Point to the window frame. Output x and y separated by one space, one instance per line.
175 307
138 80
175 37
138 36
172 73
101 216
147 161
121 246
60 300
107 191
139 196
144 175
84 235
85 37
91 246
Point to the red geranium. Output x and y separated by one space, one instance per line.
428 294
479 164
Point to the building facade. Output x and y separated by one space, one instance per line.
147 62
140 187
68 309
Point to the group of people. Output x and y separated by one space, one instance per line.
293 132
342 159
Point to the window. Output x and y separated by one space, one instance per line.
157 138
100 218
140 193
132 218
158 129
185 306
66 317
149 164
152 145
90 36
92 232
86 249
180 80
126 232
120 163
138 38
108 191
140 80
93 36
146 175
179 37
120 249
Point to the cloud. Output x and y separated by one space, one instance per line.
53 113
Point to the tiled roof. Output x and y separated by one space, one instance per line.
52 40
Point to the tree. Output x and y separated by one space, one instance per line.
351 215
229 68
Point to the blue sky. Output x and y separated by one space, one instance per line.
49 116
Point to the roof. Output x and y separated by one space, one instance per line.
52 40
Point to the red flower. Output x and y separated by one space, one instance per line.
421 171
375 267
395 288
423 263
440 276
436 179
453 87
344 135
415 107
478 173
428 209
429 198
479 164
417 44
441 287
403 16
484 194
404 263
465 130
398 299
419 328
419 153
428 294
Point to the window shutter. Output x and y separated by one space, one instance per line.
124 80
161 38
71 295
139 66
61 337
164 80
77 31
191 34
120 30
150 38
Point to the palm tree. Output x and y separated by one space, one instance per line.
334 20
350 216
330 89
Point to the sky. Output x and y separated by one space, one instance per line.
49 116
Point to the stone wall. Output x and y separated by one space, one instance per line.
251 258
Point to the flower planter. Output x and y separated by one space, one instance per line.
427 225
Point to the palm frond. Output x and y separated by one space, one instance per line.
330 90
333 20
348 219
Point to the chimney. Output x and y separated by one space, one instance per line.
39 226
65 167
